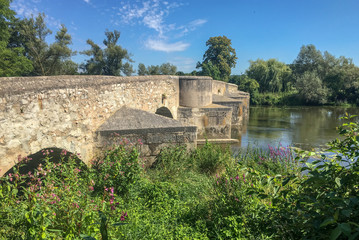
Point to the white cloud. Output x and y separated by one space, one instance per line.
197 23
184 63
28 9
87 1
24 9
160 45
153 14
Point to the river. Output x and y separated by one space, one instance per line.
302 127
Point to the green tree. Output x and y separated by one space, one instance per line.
12 59
311 88
245 83
47 59
308 59
153 70
163 69
168 69
35 32
60 54
219 55
113 60
141 71
339 76
272 75
208 69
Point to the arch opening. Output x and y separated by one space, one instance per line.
163 111
55 155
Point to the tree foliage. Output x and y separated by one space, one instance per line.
47 59
338 77
272 75
219 58
245 83
113 60
163 69
311 88
12 59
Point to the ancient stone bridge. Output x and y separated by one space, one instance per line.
77 113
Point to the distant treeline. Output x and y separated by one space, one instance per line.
314 78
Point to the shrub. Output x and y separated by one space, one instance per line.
210 159
119 168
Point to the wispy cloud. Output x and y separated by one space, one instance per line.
192 26
184 63
152 14
28 9
161 45
87 1
22 8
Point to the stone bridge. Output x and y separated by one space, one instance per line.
79 113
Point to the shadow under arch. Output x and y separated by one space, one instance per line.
163 111
32 161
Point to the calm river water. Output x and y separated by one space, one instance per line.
301 127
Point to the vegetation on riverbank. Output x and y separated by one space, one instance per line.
203 194
314 78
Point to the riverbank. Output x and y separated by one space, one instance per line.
201 194
292 98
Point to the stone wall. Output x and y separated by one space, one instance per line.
213 121
223 88
65 111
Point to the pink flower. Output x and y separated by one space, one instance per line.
123 216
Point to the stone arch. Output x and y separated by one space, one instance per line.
32 161
163 111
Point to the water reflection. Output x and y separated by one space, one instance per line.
302 127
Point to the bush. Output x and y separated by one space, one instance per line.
119 168
210 159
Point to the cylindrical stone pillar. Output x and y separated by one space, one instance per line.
195 91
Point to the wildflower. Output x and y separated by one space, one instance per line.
123 216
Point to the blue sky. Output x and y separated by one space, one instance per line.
159 31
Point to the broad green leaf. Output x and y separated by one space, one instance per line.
327 222
337 181
346 212
354 236
336 215
335 233
346 229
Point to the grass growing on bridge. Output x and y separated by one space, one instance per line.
203 194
